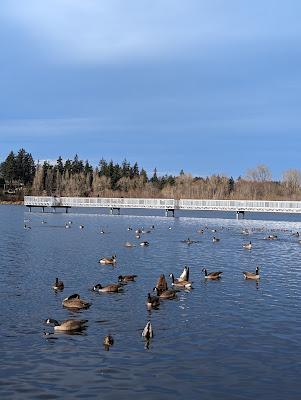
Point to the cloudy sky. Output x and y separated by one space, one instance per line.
208 86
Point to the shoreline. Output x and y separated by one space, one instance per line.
8 202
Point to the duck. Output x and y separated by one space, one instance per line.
75 302
144 243
212 275
152 301
111 260
252 275
67 226
27 227
166 294
58 285
81 227
147 332
161 284
185 274
247 246
215 239
180 284
111 288
127 278
108 341
68 325
130 228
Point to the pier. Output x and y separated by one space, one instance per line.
168 205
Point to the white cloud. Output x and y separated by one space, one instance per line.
92 31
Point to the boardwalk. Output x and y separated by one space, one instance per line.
169 205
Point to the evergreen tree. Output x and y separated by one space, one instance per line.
60 165
8 168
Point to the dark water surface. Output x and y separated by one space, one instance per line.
230 339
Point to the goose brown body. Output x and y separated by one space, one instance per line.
67 325
58 285
127 278
161 284
105 260
212 275
152 301
111 288
75 302
166 294
252 275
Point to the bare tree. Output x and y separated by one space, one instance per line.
261 173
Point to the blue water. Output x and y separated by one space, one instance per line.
230 339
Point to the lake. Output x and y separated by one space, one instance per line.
226 339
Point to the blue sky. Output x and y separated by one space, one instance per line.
208 86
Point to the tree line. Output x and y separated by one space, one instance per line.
110 179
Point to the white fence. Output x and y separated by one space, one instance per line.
166 204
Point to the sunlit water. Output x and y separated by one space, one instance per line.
229 339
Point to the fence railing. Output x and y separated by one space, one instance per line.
182 204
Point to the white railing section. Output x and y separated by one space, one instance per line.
172 204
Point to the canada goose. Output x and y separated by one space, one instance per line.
147 332
166 294
212 275
67 325
215 239
144 243
188 241
145 231
180 284
271 237
247 246
108 341
27 227
152 301
137 236
111 288
252 275
75 302
58 285
127 278
108 260
184 275
138 231
44 222
129 244
161 284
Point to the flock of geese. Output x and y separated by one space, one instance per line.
160 291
